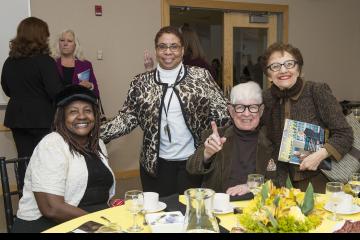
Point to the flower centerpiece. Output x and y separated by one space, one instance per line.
281 210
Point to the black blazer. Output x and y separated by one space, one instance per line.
32 84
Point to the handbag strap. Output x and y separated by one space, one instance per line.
101 107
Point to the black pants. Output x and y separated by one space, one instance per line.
26 140
172 178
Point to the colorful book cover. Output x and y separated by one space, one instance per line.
84 76
299 139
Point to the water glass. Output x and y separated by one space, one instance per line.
334 192
134 203
254 182
354 182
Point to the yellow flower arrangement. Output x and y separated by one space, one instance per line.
282 210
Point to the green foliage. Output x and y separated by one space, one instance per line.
264 192
288 183
308 204
276 200
285 224
273 221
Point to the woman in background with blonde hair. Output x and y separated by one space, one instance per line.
71 64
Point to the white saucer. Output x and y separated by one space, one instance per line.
229 209
160 207
355 209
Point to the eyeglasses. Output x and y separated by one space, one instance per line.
240 108
173 47
275 67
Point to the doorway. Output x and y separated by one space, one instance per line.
234 33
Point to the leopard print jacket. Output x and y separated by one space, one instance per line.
200 98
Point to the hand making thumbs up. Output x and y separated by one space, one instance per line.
213 143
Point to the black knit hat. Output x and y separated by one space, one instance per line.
74 92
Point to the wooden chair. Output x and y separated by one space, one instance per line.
7 193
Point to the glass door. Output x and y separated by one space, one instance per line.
244 42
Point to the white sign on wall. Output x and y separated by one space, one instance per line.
12 12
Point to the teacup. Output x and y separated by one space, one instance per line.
346 204
151 201
221 202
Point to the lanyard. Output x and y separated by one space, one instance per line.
166 109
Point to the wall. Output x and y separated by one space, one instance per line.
327 32
124 31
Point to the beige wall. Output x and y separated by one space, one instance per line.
124 31
327 32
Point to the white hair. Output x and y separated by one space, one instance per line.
246 91
78 53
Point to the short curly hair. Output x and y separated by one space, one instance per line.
281 47
31 39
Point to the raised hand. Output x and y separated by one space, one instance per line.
148 61
213 143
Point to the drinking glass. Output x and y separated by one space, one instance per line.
354 182
254 182
134 203
334 192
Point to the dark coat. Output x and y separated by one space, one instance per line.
217 174
32 84
314 104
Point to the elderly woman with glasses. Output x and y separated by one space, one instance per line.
291 97
228 154
172 104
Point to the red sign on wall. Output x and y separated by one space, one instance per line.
98 10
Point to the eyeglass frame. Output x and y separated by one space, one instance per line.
247 107
282 64
166 47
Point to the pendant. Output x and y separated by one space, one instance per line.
167 131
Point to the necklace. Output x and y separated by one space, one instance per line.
166 109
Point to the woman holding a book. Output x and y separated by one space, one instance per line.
291 97
71 64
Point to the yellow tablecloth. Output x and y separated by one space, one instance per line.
122 217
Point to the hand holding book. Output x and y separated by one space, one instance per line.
313 161
302 143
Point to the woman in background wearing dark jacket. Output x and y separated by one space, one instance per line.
29 77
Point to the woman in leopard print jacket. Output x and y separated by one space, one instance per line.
172 104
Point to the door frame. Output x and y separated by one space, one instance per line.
227 6
232 6
236 19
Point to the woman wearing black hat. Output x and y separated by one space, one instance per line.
68 174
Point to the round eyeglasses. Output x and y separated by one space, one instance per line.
240 108
275 67
163 47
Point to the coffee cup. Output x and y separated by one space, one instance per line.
346 204
221 202
151 201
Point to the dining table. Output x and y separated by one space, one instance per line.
123 218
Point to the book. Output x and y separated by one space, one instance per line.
84 76
299 140
88 227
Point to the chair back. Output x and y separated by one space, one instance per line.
7 193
